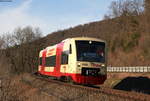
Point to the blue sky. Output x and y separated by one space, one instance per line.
50 15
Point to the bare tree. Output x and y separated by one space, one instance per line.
20 48
23 58
147 6
1 42
125 8
25 35
19 36
6 41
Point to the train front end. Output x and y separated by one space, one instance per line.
91 61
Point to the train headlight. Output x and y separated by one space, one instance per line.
103 65
79 64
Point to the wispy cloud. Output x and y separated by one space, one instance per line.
18 16
48 19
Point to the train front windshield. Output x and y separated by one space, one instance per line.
90 51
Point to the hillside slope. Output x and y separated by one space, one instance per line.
128 40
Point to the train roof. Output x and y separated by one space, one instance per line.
84 38
74 38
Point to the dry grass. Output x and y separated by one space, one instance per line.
110 83
27 88
59 92
14 90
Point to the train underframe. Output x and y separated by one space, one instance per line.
76 78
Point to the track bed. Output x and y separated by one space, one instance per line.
65 91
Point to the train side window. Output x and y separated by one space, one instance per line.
40 61
64 57
70 49
50 61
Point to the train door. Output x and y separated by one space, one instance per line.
59 50
72 57
64 68
43 61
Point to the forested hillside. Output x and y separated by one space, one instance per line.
127 36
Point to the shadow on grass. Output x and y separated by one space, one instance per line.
138 84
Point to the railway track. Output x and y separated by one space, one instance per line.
129 96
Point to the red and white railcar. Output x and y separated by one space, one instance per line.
81 59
